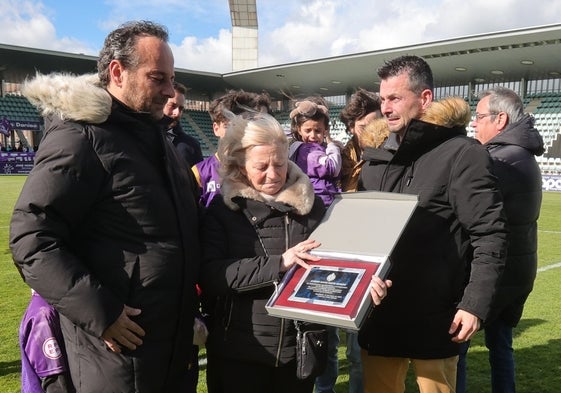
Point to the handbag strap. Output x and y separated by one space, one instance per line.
261 242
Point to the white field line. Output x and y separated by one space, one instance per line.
554 265
549 267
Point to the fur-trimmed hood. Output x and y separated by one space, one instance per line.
375 133
442 120
77 98
297 192
450 112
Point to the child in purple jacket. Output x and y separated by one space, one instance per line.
313 150
44 367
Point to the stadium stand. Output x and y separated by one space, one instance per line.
198 125
518 59
18 108
545 107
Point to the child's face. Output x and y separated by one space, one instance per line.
312 131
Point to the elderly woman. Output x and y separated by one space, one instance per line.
253 233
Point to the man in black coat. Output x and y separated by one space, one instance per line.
512 141
105 228
456 235
188 147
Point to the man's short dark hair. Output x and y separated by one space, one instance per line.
361 103
180 88
238 101
120 45
418 70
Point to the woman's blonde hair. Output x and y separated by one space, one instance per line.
448 112
245 131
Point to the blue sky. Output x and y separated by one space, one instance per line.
89 21
289 30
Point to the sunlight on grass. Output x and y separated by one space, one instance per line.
537 338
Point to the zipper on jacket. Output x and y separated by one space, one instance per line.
384 177
286 237
286 247
410 175
281 336
229 319
263 284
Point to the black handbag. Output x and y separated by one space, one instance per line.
311 349
311 340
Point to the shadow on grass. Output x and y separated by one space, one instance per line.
537 367
525 324
7 368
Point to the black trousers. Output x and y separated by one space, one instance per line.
235 376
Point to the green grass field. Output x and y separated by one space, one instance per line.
537 338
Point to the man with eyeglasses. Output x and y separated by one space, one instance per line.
512 141
447 262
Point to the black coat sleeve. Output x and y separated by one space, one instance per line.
59 192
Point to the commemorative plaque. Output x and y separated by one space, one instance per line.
357 235
327 285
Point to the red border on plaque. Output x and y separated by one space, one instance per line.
352 307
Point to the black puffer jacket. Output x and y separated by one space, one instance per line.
187 147
520 182
459 209
375 161
105 220
244 238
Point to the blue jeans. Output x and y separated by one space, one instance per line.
325 383
498 340
355 363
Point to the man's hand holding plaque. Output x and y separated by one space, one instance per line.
379 289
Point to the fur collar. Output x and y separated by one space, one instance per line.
78 98
297 192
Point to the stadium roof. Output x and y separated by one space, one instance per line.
513 55
531 53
